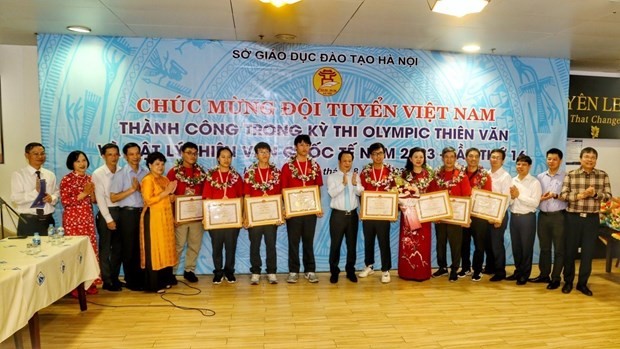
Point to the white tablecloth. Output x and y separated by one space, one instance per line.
29 283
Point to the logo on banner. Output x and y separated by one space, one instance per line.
327 81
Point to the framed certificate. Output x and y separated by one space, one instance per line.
188 208
223 213
302 201
263 210
379 205
488 205
460 211
434 206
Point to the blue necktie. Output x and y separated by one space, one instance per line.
347 199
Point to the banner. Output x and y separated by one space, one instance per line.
594 107
160 93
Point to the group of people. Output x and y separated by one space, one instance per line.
136 226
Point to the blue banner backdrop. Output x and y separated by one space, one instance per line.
160 93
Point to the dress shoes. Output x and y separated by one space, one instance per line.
521 281
497 277
190 276
540 279
567 287
352 277
512 277
553 285
584 289
334 278
111 287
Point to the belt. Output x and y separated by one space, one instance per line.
113 208
552 212
521 214
37 217
346 213
585 214
130 208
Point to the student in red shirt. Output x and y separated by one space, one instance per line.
301 171
451 177
223 182
262 178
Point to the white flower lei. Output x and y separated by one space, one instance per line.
314 169
266 185
232 178
483 175
421 183
452 182
382 182
193 180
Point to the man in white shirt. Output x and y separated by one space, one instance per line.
26 188
344 188
525 194
501 183
110 244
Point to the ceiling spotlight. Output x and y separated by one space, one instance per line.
79 29
471 48
286 37
457 8
279 3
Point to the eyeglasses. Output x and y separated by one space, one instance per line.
377 153
37 154
191 153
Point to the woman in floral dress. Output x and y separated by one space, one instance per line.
414 250
77 196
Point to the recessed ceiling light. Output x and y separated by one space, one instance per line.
471 48
286 37
79 29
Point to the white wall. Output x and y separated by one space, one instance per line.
20 113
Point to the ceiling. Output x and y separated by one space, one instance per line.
586 31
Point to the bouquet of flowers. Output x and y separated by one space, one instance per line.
610 213
408 195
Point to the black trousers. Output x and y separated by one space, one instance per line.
551 234
580 232
110 244
34 224
129 229
256 235
224 238
301 229
454 235
499 250
343 225
381 231
522 236
154 280
478 230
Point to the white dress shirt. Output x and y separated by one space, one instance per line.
24 190
501 181
335 188
529 195
102 177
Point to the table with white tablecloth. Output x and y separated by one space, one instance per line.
29 283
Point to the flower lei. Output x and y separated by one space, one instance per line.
232 178
382 182
314 169
272 180
439 174
421 183
194 179
482 175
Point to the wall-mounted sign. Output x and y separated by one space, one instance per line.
594 107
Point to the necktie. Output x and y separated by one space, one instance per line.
347 199
39 210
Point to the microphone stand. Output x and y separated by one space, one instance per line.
5 204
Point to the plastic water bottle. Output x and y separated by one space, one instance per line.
60 235
36 243
51 233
